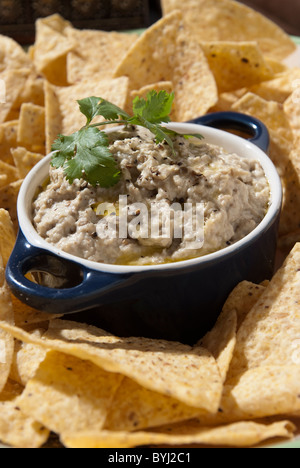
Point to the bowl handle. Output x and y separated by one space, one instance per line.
258 132
90 285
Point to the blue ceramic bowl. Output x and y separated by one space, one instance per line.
179 301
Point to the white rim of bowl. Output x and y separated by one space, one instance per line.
215 136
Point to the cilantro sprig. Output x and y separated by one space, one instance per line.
86 155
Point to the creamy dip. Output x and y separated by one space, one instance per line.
233 192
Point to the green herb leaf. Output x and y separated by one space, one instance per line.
85 154
156 108
111 112
89 107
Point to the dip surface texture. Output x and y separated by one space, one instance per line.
233 191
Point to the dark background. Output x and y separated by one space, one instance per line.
17 17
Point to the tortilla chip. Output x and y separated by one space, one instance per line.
6 339
135 407
25 315
11 172
7 235
12 55
266 391
53 117
13 115
33 91
101 59
292 111
26 360
221 340
56 22
31 125
241 434
226 100
18 430
62 110
11 391
8 200
271 113
25 160
290 214
50 50
167 367
242 299
3 180
277 67
68 392
226 20
236 64
14 82
161 54
56 72
268 336
279 88
8 140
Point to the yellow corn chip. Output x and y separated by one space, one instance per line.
32 92
12 55
14 82
266 391
242 299
167 367
236 64
68 392
135 407
8 200
98 53
164 53
50 50
31 125
26 360
279 88
227 20
221 340
7 235
25 160
6 339
270 333
56 22
11 172
241 434
53 117
290 215
3 180
277 67
271 113
292 111
226 100
8 140
18 430
25 315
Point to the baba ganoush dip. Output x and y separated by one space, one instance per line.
233 192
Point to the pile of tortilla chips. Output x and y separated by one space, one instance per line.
237 386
